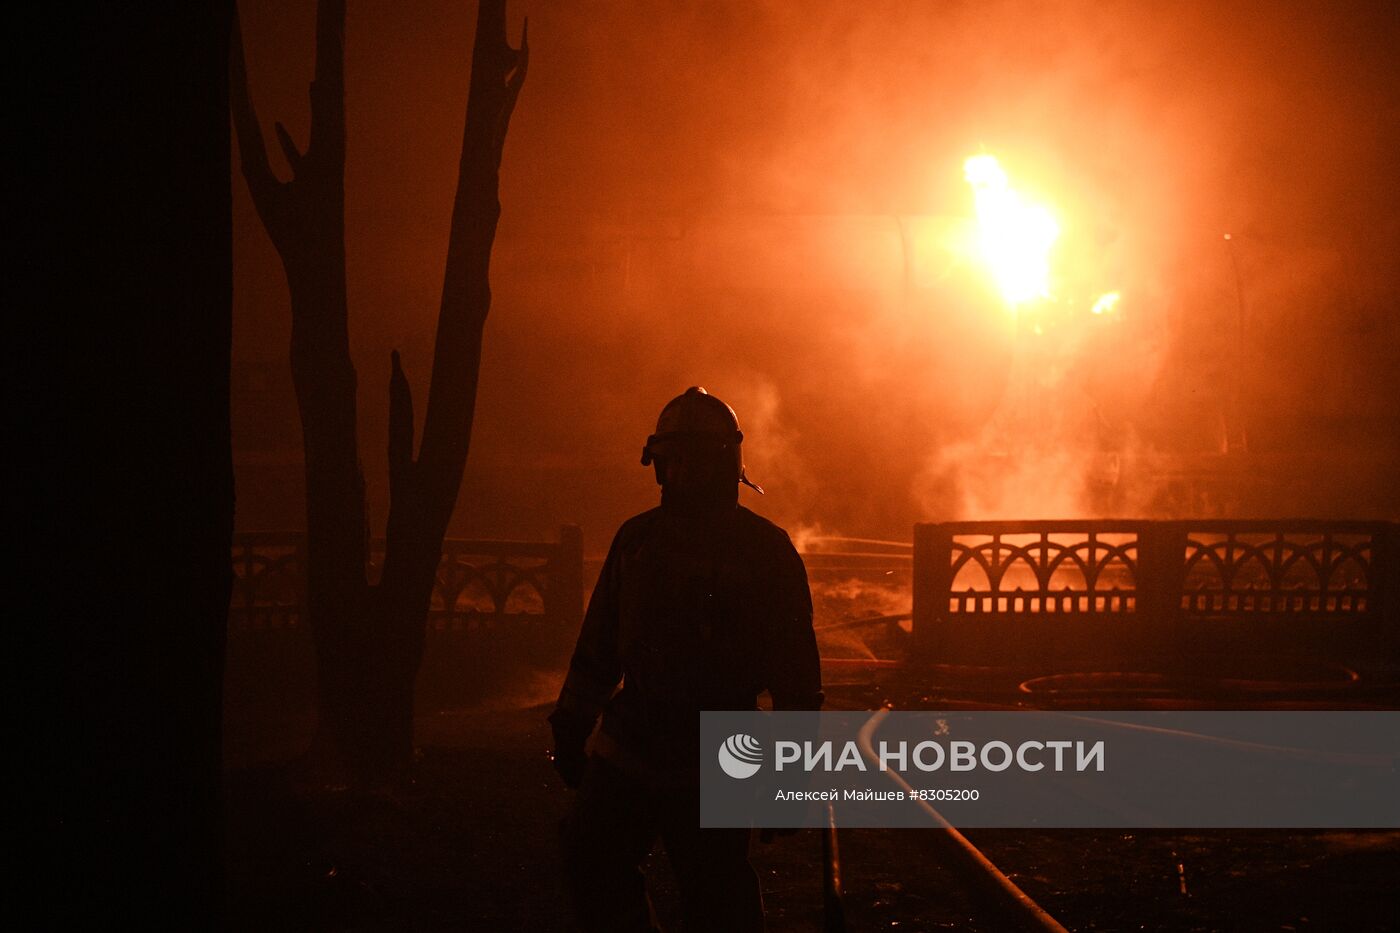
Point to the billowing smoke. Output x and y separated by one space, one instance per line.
760 198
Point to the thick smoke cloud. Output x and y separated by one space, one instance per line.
757 197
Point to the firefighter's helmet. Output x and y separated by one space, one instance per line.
697 418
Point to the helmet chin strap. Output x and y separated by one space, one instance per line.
658 466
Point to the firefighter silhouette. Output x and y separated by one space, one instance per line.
701 605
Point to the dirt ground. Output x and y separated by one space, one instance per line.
470 846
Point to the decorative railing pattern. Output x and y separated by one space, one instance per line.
1251 570
478 582
1086 570
1116 568
269 574
1008 570
984 590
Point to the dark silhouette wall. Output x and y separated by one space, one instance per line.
126 284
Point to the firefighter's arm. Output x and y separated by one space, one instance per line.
795 670
593 674
794 665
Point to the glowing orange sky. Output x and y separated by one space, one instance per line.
716 196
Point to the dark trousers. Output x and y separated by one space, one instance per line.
612 826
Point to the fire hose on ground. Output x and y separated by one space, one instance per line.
965 858
833 907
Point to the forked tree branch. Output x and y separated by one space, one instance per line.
497 74
305 219
316 189
370 642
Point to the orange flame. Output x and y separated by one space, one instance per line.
1015 236
1106 303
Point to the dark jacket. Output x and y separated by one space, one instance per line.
692 615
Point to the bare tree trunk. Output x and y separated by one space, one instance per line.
305 218
369 640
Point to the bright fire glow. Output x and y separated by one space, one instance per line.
1015 236
1106 303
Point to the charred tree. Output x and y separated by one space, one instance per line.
369 638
